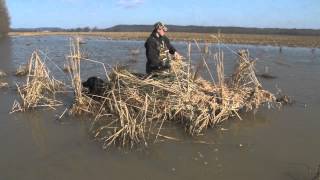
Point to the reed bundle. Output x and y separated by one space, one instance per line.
82 102
22 70
40 88
4 85
134 109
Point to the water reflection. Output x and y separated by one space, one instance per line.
38 131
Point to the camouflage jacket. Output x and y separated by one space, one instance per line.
157 50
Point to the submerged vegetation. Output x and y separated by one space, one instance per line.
4 19
134 109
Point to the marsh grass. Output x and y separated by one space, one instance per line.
3 84
40 88
134 109
82 102
22 70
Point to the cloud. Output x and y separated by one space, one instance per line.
130 3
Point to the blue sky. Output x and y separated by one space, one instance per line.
106 13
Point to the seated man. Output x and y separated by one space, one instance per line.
158 48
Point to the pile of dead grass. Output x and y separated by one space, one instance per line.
40 87
133 109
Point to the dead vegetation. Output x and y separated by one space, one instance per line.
82 102
22 70
40 88
134 109
3 84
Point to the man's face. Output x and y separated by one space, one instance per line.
161 32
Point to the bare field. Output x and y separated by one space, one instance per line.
275 40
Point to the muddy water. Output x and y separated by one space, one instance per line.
267 144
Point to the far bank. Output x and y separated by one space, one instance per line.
274 40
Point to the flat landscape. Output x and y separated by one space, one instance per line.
85 94
274 40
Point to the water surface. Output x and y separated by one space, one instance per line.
268 144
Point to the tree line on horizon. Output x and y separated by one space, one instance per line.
4 18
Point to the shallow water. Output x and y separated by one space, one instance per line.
268 144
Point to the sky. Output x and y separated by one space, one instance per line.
107 13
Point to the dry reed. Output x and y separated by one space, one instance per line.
82 103
22 70
40 88
2 74
4 85
133 110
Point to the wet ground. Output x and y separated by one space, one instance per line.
268 144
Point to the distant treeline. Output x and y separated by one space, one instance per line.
4 19
192 29
215 29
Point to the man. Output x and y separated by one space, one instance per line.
158 48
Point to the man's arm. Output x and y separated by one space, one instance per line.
152 53
172 50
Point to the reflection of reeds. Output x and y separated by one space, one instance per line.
316 176
303 171
39 132
40 88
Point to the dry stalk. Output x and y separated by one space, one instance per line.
4 85
40 88
134 110
136 107
82 102
22 70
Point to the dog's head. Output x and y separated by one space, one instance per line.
95 85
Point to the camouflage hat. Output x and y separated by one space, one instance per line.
160 25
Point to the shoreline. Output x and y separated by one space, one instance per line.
250 39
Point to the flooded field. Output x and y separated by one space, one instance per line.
268 144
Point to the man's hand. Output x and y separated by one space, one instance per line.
177 56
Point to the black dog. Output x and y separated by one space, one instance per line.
95 85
